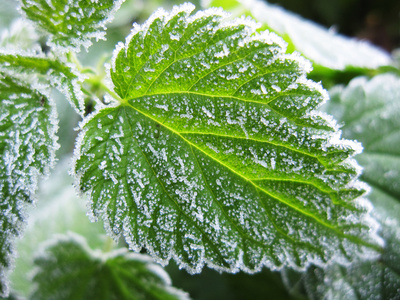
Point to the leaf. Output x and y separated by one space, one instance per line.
71 24
322 46
375 280
64 77
369 110
28 145
81 273
370 113
59 211
215 154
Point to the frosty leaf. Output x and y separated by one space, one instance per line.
374 280
322 46
28 144
60 75
215 154
71 24
69 269
369 111
58 212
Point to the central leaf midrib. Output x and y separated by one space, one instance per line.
322 222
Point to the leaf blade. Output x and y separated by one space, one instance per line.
63 77
85 274
71 24
202 163
28 144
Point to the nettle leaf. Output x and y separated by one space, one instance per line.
215 154
370 113
369 110
71 24
58 211
82 273
321 45
28 143
375 279
60 75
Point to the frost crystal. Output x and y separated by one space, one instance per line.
215 154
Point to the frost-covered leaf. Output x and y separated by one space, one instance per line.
373 280
58 211
369 110
27 144
71 23
322 46
63 77
215 153
69 269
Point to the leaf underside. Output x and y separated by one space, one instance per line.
28 145
71 24
215 154
81 273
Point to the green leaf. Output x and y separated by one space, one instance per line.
321 45
28 145
369 110
370 113
71 24
64 77
215 154
81 273
59 211
376 279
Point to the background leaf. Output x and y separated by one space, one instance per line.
214 149
71 24
28 145
81 273
370 113
369 110
322 46
58 211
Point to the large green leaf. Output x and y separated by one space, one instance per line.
81 273
214 153
27 145
71 24
321 45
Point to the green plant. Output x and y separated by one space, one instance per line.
201 141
